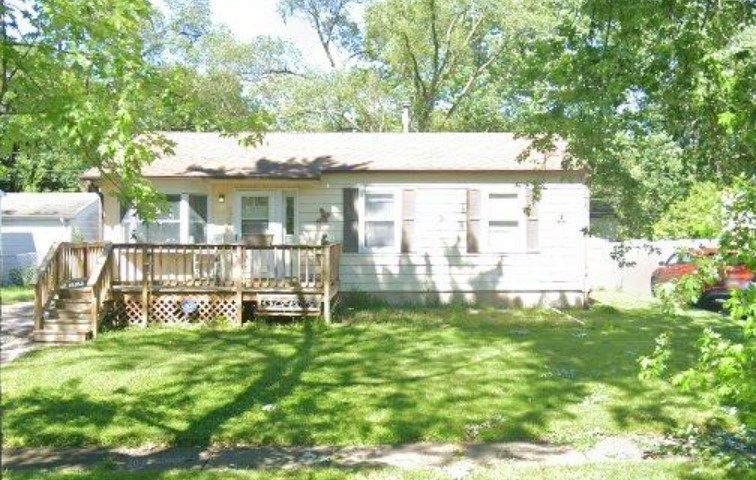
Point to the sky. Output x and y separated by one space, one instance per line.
250 18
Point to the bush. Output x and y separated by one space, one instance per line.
698 215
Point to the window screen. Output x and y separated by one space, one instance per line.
380 220
504 211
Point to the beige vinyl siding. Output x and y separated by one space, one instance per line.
87 223
438 262
311 200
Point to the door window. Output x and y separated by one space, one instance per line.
255 215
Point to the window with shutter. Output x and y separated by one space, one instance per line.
380 228
504 222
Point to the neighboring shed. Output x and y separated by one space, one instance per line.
32 222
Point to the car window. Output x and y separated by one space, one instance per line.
679 258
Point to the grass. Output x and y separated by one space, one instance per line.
382 376
657 470
11 295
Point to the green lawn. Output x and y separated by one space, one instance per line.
658 470
380 377
11 295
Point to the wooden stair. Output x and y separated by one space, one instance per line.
68 318
288 304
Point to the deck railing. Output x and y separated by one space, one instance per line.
103 267
62 264
224 266
101 285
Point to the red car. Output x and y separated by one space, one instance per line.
680 265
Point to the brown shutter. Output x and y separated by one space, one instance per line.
408 220
351 234
473 221
532 226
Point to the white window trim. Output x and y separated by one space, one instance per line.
396 192
184 212
275 225
520 216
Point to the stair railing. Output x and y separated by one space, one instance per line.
63 263
100 284
48 282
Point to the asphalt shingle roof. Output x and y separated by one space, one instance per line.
307 155
52 204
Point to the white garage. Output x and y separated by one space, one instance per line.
32 222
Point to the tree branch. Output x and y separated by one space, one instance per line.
416 67
471 81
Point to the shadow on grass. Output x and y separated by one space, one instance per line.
384 377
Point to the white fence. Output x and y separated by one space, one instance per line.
628 266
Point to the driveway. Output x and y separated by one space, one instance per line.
15 331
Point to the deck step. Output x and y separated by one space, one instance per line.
73 305
67 320
68 327
68 315
289 305
61 337
81 293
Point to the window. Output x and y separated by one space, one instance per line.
290 217
255 215
183 221
197 218
504 222
380 227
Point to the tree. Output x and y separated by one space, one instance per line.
195 101
673 80
73 79
331 21
615 75
84 89
698 215
440 51
352 100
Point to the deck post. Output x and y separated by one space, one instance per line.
326 278
238 270
38 306
145 287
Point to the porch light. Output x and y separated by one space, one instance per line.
221 198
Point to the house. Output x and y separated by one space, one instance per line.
421 217
32 222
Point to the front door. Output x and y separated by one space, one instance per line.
257 215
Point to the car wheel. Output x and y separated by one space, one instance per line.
712 302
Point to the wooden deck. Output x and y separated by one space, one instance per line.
145 283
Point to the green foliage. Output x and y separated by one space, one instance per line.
621 82
609 470
381 376
23 277
352 100
73 83
10 295
332 22
698 215
83 89
726 363
443 52
654 365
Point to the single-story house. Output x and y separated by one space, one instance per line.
32 222
420 216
